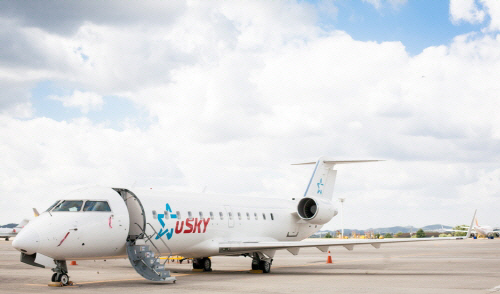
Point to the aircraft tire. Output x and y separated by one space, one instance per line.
64 279
265 266
206 264
197 263
255 265
54 278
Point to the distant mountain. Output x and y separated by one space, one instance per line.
9 226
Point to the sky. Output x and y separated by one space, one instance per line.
223 96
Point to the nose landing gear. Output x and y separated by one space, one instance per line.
60 277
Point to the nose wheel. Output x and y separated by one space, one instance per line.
62 278
61 273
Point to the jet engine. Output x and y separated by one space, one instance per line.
316 211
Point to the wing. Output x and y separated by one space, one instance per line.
294 247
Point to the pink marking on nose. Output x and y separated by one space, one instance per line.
110 222
63 239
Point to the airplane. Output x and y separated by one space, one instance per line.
8 233
482 230
103 223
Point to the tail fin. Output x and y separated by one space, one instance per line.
23 223
471 224
322 180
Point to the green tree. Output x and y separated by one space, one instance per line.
377 235
420 233
388 235
328 235
460 228
399 234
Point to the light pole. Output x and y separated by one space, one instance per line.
342 215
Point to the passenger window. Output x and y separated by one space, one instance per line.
167 215
264 216
272 216
221 216
155 216
239 216
255 214
69 205
230 215
53 205
190 215
201 215
248 216
178 214
211 215
100 206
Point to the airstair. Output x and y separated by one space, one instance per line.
147 264
143 259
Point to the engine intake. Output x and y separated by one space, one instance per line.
316 211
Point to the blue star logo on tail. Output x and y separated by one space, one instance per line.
320 190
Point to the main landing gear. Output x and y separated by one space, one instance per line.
260 262
202 263
61 273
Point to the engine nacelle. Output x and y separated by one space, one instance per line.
316 211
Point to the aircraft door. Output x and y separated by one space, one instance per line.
230 216
136 214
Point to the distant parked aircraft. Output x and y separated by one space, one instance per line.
12 232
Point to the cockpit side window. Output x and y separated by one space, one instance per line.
96 206
69 205
53 205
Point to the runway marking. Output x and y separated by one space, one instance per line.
496 289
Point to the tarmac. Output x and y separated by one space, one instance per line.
469 266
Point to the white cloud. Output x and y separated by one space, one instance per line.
237 93
465 10
85 101
492 8
394 4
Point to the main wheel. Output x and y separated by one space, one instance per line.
255 265
64 279
54 278
207 264
198 263
265 266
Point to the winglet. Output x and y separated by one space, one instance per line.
471 224
35 212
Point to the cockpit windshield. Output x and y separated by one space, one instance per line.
69 205
52 206
96 206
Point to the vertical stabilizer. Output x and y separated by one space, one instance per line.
471 225
323 178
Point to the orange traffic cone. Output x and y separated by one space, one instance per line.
329 259
73 263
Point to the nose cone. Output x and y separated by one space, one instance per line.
27 241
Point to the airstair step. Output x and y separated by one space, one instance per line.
144 263
142 248
159 267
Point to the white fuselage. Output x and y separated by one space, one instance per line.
183 224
